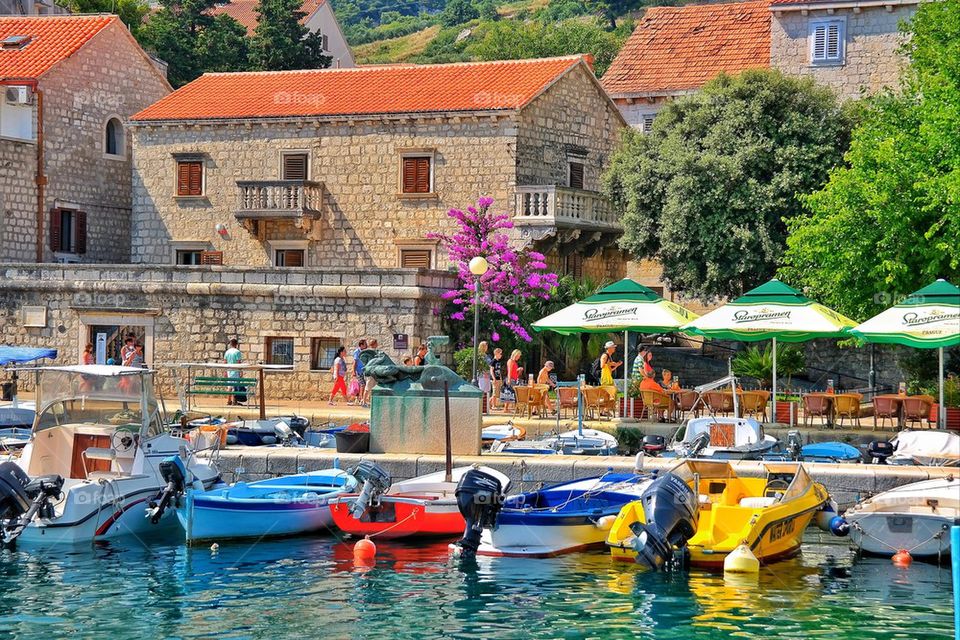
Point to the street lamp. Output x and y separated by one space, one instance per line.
478 267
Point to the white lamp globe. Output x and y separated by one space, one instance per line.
479 266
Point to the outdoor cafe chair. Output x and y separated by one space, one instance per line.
539 399
686 401
719 402
608 400
815 406
568 400
847 405
885 408
754 403
917 409
522 406
591 400
658 405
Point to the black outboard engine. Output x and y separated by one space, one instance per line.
879 450
22 499
479 498
653 445
794 444
698 444
174 473
376 481
671 511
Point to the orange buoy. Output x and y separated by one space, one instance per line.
902 558
365 550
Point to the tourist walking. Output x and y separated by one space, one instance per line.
233 355
483 368
607 364
339 373
88 356
129 351
496 367
546 377
369 381
355 393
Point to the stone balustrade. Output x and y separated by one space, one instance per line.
565 207
272 199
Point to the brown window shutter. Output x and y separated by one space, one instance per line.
80 233
190 178
183 178
415 258
196 178
55 230
409 175
423 175
576 175
211 257
293 258
294 166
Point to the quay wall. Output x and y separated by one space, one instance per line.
846 483
188 314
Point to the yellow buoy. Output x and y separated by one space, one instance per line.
741 560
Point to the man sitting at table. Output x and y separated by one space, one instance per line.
649 383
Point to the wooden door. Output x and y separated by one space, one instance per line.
82 442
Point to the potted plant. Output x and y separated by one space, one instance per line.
634 393
757 363
951 401
788 404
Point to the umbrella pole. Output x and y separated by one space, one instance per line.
626 347
941 412
774 403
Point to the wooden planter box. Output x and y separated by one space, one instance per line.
625 408
787 413
953 417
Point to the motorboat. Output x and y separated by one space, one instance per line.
93 460
830 452
768 514
501 433
272 431
915 517
421 507
284 506
928 448
14 438
722 438
555 520
579 442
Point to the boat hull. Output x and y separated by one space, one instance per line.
206 519
401 517
926 536
541 541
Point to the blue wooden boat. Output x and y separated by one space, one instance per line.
284 506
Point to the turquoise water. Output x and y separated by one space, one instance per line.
310 588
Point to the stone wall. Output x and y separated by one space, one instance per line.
18 200
872 59
190 313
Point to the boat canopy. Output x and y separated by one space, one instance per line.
928 444
745 431
21 355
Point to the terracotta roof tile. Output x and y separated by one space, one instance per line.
369 90
52 39
245 11
681 48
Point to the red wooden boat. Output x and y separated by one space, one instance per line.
424 507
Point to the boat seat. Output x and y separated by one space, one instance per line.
99 453
757 502
93 476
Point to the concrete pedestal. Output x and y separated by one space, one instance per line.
414 423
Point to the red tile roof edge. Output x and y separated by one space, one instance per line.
33 70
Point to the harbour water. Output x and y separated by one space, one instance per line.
310 588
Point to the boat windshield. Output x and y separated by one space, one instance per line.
71 397
689 470
800 484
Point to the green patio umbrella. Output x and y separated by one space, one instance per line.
624 306
926 319
772 311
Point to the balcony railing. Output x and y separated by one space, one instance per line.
564 207
279 199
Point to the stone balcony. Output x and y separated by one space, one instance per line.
300 201
553 215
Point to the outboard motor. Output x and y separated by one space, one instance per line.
479 499
879 450
174 473
794 444
284 434
671 510
376 481
653 445
23 499
698 444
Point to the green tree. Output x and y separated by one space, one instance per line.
610 10
131 12
888 223
458 12
190 40
281 41
487 10
706 193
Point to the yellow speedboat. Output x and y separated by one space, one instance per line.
768 514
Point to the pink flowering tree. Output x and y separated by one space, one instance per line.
515 277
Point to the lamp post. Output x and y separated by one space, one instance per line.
478 267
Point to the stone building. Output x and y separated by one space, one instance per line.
851 46
30 8
65 170
318 18
355 168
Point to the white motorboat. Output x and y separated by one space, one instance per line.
929 448
579 442
915 517
723 439
94 461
